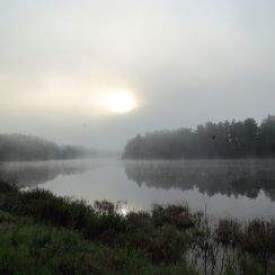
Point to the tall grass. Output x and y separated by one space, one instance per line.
71 237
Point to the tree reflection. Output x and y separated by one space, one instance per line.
227 177
32 174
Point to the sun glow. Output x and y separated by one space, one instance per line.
118 102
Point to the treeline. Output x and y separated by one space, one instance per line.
236 139
17 147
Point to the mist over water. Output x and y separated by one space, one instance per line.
139 135
241 189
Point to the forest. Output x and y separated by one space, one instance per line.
18 147
235 139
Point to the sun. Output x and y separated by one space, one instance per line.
120 102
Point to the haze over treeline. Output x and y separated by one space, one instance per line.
17 147
236 139
184 62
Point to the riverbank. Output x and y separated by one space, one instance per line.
42 233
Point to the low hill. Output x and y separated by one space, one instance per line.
18 147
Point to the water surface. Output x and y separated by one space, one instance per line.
241 189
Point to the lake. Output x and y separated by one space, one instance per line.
242 189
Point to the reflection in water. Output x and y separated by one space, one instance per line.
237 177
237 188
31 174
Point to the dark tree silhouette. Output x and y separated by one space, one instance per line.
16 147
236 139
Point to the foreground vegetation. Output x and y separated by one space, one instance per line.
41 233
236 139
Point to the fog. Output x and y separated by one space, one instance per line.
185 62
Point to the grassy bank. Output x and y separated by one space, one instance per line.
41 233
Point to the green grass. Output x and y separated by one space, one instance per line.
30 248
44 234
41 233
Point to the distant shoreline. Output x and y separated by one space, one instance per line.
222 140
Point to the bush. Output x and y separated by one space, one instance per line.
228 233
177 215
7 187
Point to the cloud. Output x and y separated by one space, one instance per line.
186 61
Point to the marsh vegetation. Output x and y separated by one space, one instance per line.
42 233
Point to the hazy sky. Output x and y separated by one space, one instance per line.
184 62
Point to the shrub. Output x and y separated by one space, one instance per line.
6 187
228 233
258 240
177 215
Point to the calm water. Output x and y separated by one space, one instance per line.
233 188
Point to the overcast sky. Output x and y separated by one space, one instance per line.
185 62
